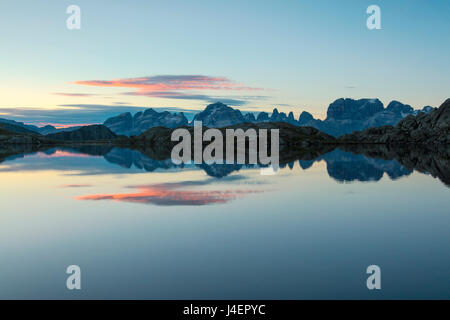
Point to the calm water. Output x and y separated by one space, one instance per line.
142 228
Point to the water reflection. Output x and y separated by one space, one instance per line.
344 164
345 167
214 231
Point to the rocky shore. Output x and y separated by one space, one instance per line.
423 129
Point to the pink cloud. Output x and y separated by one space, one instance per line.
168 85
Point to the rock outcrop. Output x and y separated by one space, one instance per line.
18 138
425 129
291 138
84 134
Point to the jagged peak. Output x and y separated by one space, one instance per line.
217 105
291 115
305 116
150 110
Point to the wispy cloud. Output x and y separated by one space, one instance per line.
184 87
68 94
75 186
165 83
179 87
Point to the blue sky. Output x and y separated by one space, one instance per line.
182 55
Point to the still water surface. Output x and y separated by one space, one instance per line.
144 229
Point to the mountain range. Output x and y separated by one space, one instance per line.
343 116
419 142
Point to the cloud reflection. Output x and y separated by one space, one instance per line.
172 194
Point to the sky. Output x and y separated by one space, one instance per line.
182 55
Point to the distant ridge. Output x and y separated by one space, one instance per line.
15 126
344 116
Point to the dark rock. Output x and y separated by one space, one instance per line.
11 127
19 124
290 136
19 138
424 129
87 133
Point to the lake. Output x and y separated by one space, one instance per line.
142 228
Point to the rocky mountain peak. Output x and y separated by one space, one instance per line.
219 115
350 109
305 117
399 108
262 116
126 124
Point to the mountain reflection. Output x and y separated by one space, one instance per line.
344 164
